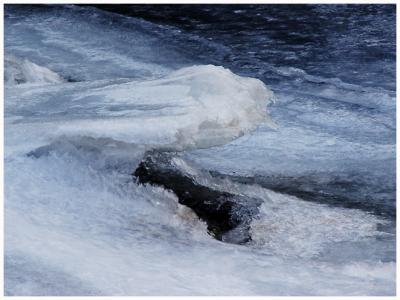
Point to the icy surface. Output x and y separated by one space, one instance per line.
199 106
17 71
68 204
101 88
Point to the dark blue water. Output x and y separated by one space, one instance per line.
355 43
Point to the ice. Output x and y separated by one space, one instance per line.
291 227
18 71
348 137
66 204
97 90
198 106
61 38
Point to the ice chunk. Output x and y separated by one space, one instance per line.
194 107
17 71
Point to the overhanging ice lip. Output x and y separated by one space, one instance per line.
193 107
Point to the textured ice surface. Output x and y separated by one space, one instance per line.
197 106
71 215
61 38
17 71
330 140
76 224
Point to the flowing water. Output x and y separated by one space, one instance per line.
293 105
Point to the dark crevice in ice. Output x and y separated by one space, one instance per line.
227 215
